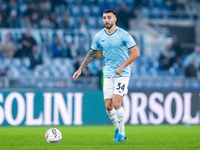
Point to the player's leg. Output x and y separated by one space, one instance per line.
117 101
120 89
112 115
111 112
108 94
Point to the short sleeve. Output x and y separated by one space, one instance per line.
95 43
129 41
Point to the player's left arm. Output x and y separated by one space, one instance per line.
133 56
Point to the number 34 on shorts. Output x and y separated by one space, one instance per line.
121 86
117 86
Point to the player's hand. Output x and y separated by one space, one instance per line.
76 74
119 70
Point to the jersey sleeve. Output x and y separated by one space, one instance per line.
129 41
95 43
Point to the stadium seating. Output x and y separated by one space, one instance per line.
144 66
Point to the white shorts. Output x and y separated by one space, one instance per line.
117 86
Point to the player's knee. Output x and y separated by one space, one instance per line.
108 104
109 107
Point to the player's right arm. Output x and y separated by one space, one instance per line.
90 56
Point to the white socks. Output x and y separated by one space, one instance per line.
120 120
117 118
112 116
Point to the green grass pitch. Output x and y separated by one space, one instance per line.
164 137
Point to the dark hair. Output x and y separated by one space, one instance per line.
110 11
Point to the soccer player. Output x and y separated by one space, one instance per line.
114 43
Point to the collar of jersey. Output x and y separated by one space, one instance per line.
111 33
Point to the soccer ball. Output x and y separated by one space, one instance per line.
53 135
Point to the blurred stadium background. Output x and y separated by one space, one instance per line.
42 43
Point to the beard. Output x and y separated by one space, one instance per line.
108 26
